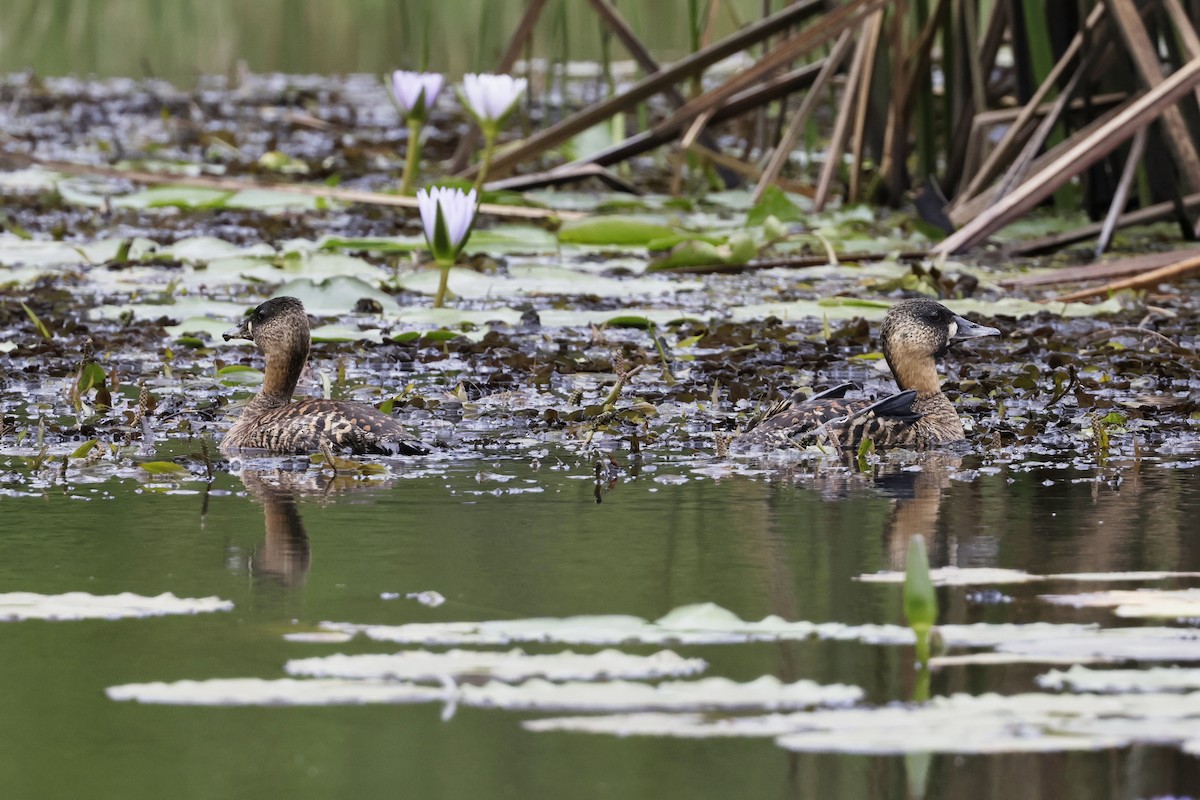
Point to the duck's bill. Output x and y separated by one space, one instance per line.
237 332
962 328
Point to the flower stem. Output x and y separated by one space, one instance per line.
443 279
489 149
413 155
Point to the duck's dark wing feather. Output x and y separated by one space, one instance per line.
306 426
829 418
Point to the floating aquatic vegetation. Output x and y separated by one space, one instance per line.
510 666
973 576
702 623
1122 681
1143 603
966 724
284 691
766 693
713 694
17 606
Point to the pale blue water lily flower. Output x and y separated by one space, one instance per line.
447 216
490 99
415 93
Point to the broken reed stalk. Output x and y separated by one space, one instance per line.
1154 213
871 37
1101 270
1133 331
1170 272
668 76
783 150
1121 195
841 128
1146 59
1013 135
1081 154
764 93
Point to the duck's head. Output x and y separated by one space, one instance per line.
915 332
278 323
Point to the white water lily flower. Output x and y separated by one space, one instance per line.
447 215
416 92
455 210
491 97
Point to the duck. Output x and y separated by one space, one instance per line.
273 423
914 334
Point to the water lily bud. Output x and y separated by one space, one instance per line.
920 599
491 98
447 215
416 92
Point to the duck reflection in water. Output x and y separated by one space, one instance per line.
917 490
285 553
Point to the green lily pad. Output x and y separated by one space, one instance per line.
345 333
775 203
177 196
541 279
615 229
335 295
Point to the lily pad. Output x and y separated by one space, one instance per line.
540 279
613 229
1142 603
335 296
766 693
964 724
510 666
1122 681
17 606
287 691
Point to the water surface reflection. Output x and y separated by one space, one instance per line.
509 537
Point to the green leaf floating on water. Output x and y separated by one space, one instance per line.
613 229
178 196
774 203
440 335
163 468
693 253
373 244
630 321
737 250
239 374
84 448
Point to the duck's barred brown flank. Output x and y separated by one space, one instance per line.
272 423
913 335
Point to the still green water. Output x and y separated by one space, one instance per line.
535 545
